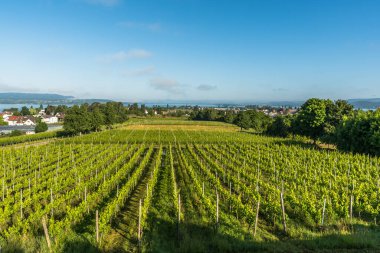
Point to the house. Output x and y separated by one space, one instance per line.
48 119
13 120
60 116
28 121
21 121
41 112
6 115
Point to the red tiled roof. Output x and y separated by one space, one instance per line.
14 118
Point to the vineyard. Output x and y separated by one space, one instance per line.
152 188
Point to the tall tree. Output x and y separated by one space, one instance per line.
243 120
312 116
25 111
77 120
360 133
41 127
281 126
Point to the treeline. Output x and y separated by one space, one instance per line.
335 123
156 110
249 119
88 118
332 122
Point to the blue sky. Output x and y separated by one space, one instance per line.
217 50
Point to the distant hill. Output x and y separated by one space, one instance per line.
19 98
43 98
365 103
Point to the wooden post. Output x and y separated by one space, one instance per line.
21 203
179 208
46 232
203 188
323 211
217 208
3 189
51 201
351 204
139 229
257 218
283 211
97 226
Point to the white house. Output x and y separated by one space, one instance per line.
49 119
41 112
28 121
6 115
21 121
13 120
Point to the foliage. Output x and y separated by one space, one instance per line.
194 173
87 118
2 122
281 126
41 127
312 116
254 119
25 111
360 133
16 133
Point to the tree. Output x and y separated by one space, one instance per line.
360 133
2 122
312 116
210 114
50 110
25 111
97 119
258 120
77 120
243 120
229 117
16 133
281 126
41 127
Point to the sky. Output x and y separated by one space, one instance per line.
191 50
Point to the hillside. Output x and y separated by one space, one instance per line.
43 98
371 103
190 187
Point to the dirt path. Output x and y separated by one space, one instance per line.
123 236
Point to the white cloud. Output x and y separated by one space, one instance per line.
123 55
140 72
206 87
108 3
154 27
168 85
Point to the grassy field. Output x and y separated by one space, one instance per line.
169 185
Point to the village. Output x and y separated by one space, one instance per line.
31 120
26 123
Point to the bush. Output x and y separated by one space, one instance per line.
16 133
41 127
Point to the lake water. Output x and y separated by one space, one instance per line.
8 129
19 106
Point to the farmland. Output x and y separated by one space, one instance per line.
181 186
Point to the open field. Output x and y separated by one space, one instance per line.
176 186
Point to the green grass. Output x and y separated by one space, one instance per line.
215 150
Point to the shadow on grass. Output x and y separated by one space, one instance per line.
162 237
78 244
